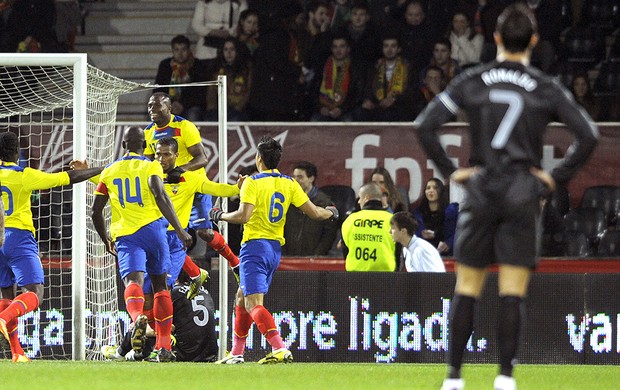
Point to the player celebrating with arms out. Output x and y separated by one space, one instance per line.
192 157
509 105
19 256
264 201
135 188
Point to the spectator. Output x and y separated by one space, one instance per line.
442 50
341 85
367 243
341 13
365 45
278 82
437 217
582 91
466 43
238 70
388 96
68 17
419 254
417 35
247 30
432 84
304 236
183 68
214 21
383 179
30 27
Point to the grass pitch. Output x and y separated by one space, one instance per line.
42 374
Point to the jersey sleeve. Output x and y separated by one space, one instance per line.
191 135
101 189
581 125
299 196
38 180
148 135
248 192
217 189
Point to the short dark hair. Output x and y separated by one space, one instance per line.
270 151
443 41
405 220
360 4
516 25
9 146
307 167
169 141
314 5
180 39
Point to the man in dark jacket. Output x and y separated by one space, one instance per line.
304 236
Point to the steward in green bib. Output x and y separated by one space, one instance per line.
366 234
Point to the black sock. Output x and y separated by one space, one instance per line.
460 327
511 313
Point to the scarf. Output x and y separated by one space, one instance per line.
335 84
180 75
396 85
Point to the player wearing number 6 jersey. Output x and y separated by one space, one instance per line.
135 188
19 256
509 105
264 201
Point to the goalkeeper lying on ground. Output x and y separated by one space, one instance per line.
194 329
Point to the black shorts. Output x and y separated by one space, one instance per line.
499 221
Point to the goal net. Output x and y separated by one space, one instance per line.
63 109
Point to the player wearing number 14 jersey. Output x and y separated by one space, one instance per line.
134 185
509 105
264 201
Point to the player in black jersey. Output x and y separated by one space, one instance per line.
194 329
509 105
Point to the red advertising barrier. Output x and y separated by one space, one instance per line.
346 153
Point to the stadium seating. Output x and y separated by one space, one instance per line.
576 244
583 45
604 15
607 82
561 200
609 246
589 221
606 198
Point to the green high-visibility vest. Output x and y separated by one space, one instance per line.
367 235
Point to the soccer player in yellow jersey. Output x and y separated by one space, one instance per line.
182 195
134 185
192 157
264 201
19 256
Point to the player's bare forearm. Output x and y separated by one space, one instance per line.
77 176
239 216
315 212
199 159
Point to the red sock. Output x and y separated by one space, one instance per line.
11 326
267 326
134 300
162 309
190 267
21 304
149 314
223 249
243 323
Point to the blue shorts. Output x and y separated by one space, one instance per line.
144 251
258 261
203 203
177 258
19 259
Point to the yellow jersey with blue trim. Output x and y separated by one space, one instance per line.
17 186
271 193
184 131
191 183
125 182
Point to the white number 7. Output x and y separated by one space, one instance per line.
515 108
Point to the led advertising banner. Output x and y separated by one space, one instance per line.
392 317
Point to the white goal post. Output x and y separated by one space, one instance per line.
62 109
